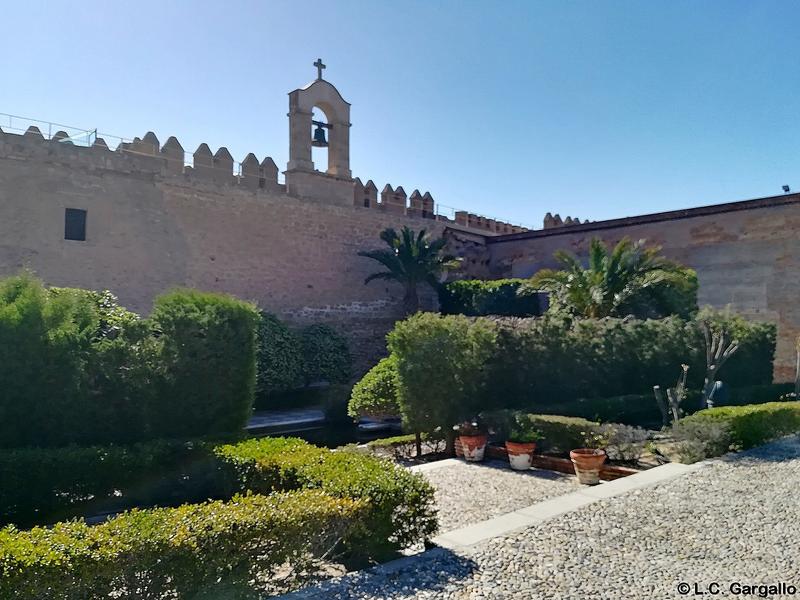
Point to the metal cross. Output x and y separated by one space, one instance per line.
319 66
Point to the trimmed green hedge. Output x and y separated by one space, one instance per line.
315 499
207 363
210 550
752 425
398 440
451 367
44 485
475 297
631 409
280 357
76 368
552 360
400 503
326 355
559 434
642 410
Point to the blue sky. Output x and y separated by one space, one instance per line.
509 109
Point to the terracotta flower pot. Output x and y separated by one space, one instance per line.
588 462
473 446
520 455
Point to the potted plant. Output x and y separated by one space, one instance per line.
521 442
589 460
473 438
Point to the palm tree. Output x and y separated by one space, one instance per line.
630 278
412 259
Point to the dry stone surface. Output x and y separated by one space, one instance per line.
734 521
468 493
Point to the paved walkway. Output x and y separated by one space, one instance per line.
733 521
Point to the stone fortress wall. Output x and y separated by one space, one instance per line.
157 218
154 223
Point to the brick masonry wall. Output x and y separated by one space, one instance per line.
746 259
148 232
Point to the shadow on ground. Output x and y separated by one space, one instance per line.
781 450
433 570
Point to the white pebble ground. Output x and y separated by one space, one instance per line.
736 521
467 493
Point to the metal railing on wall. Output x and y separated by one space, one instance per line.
87 137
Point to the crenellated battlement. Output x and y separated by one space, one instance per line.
147 156
552 221
143 155
395 200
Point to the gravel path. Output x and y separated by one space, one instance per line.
467 493
736 520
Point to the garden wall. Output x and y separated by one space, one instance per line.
746 254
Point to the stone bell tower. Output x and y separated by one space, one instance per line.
335 183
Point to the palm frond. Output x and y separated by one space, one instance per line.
386 257
411 258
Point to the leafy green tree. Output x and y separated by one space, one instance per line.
411 259
631 278
441 371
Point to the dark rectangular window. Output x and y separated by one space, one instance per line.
75 224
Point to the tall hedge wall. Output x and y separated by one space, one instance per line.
289 360
75 368
206 359
477 297
457 365
280 357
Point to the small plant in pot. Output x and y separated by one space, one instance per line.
521 442
473 438
589 460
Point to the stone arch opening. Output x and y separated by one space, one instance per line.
320 157
322 97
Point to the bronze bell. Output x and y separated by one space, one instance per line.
319 138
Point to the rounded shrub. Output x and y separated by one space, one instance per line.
441 370
375 395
